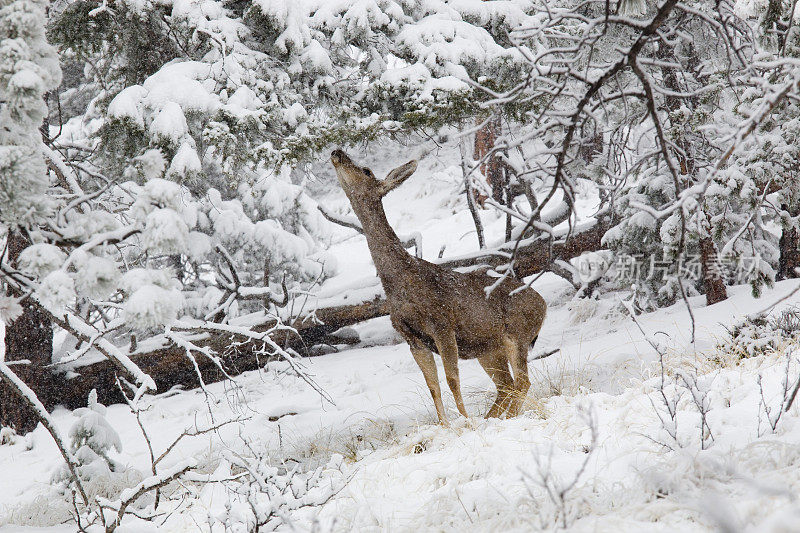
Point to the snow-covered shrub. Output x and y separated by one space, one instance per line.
91 439
42 511
762 335
352 443
582 309
266 495
788 322
559 506
7 435
749 337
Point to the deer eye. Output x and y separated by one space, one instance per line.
368 172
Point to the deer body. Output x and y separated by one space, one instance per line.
439 310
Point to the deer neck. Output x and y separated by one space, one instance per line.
390 258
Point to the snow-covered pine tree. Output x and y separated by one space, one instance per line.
28 70
745 183
679 254
201 121
655 94
247 93
759 189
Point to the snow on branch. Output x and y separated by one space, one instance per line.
773 98
130 495
108 237
264 337
83 331
236 290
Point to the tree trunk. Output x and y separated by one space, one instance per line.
713 280
492 168
471 197
29 337
789 260
509 202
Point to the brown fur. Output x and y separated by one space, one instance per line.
439 310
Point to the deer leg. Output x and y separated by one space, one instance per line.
496 365
448 350
518 357
424 359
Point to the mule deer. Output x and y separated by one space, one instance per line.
436 309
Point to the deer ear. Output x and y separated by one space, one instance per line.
396 177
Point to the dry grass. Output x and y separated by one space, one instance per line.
725 354
54 505
560 379
535 405
351 442
483 400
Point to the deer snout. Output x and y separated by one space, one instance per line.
338 157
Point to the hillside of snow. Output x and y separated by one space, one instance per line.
614 437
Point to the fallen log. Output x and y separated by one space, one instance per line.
170 367
537 255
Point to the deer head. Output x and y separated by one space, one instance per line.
360 183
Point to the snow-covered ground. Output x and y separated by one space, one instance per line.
596 448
